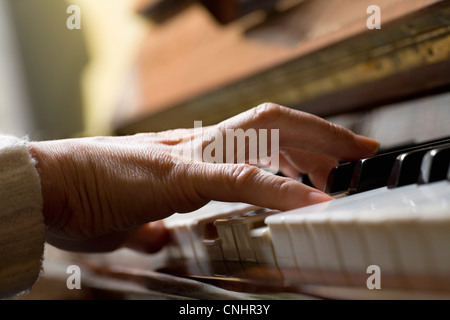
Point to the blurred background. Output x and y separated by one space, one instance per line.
59 83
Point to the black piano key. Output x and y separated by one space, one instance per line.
339 178
304 178
406 168
400 147
372 173
435 165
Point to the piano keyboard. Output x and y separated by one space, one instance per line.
391 211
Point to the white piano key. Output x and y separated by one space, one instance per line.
351 246
326 249
229 247
410 207
203 228
178 226
242 225
283 240
262 244
413 252
181 237
382 250
216 259
213 247
189 231
343 203
226 234
300 242
282 246
319 207
264 252
303 249
435 222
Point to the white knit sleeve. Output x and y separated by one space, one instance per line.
22 228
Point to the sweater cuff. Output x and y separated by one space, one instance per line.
22 227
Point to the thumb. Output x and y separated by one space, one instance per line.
149 237
249 184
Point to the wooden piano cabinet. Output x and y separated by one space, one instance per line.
192 68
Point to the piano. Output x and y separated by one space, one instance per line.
390 212
385 235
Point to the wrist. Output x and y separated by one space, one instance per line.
47 168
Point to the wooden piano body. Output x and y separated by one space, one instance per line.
390 84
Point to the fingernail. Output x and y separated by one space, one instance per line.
317 197
367 143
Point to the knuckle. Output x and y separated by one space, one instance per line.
285 186
243 173
268 110
165 167
336 130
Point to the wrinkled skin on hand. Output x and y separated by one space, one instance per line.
101 193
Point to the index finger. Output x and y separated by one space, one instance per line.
305 131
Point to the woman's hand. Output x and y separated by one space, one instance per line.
100 193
